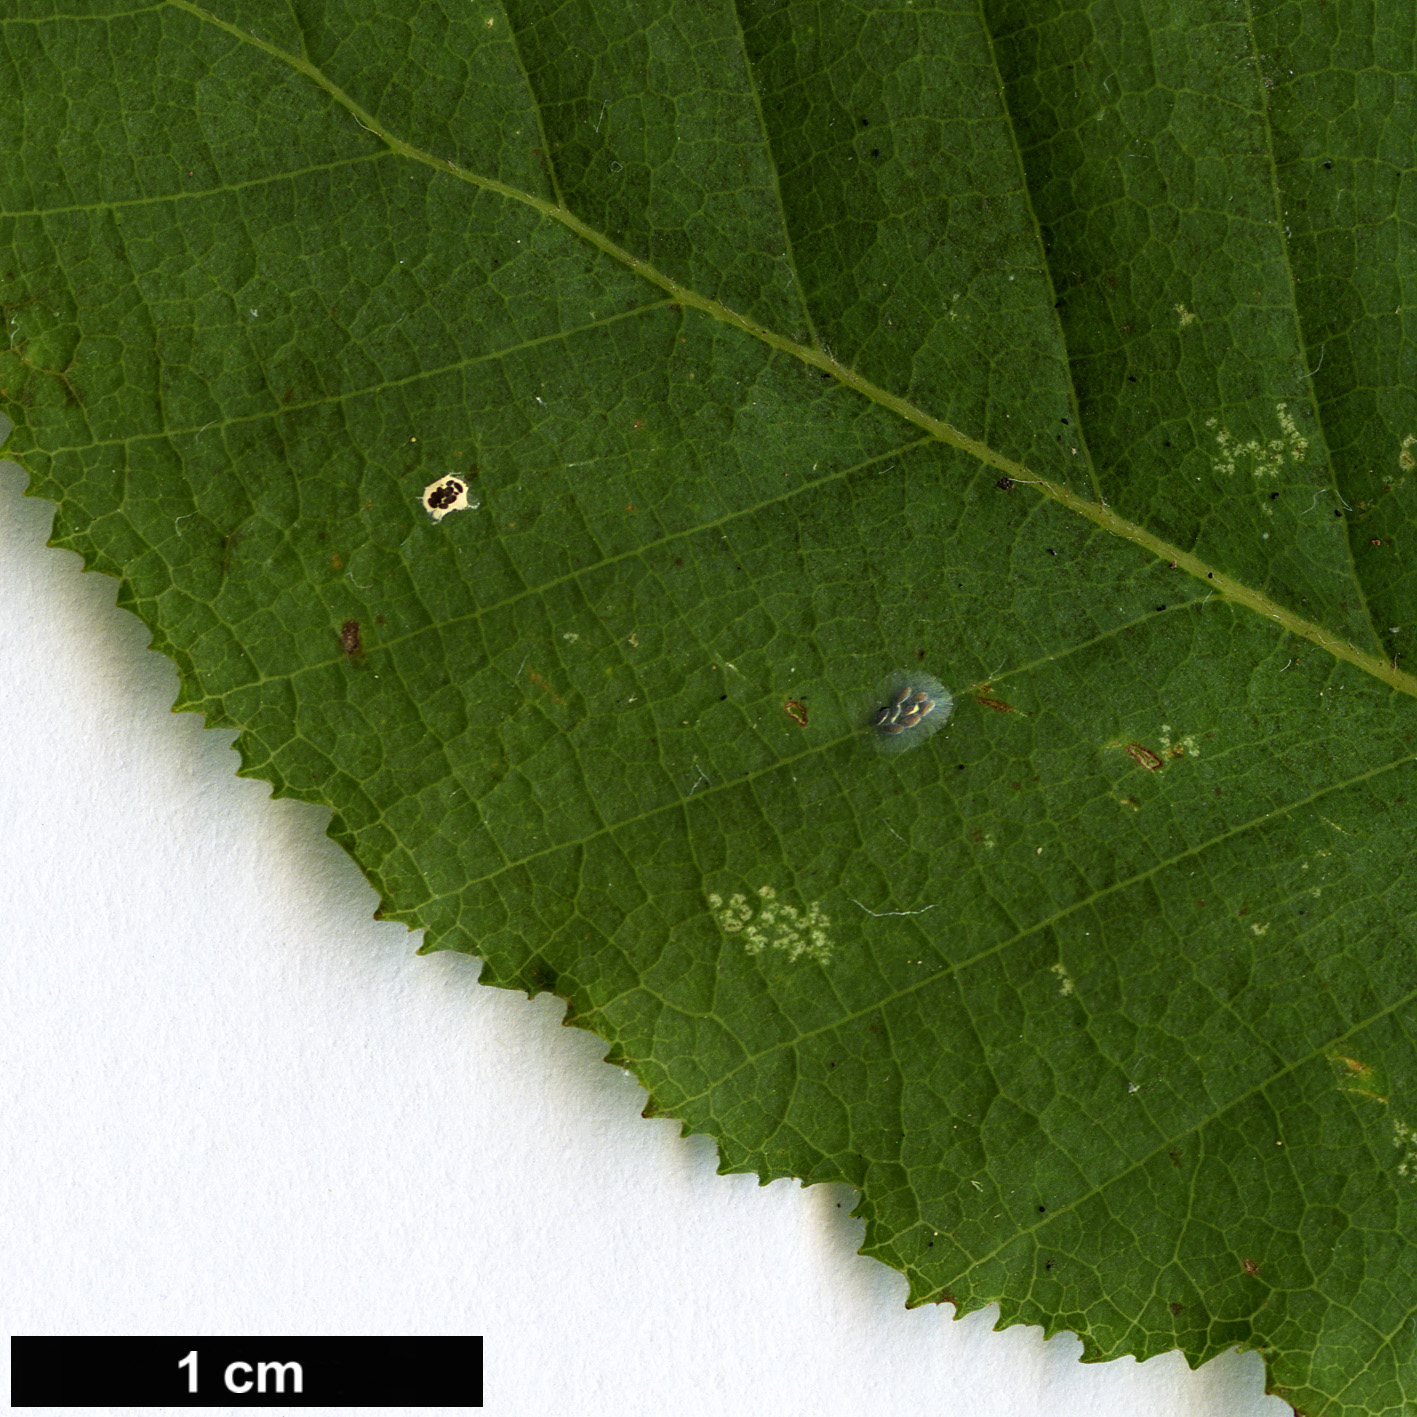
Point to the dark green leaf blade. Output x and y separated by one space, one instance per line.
730 322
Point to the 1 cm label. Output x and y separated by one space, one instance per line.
238 1377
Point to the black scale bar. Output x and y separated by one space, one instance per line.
246 1372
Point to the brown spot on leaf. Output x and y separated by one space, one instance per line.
1250 1266
796 711
349 640
1143 757
545 688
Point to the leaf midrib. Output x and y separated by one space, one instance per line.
1096 512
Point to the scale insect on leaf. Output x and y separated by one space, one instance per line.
915 706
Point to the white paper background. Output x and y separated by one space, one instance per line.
233 1103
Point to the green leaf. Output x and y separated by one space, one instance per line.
1060 354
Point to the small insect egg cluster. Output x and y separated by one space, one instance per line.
447 494
916 706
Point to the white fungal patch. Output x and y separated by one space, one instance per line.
1188 317
908 708
1405 1139
1298 444
1184 747
1405 460
1266 459
1259 929
447 494
1065 981
771 924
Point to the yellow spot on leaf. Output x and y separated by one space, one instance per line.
774 925
1266 459
1188 746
